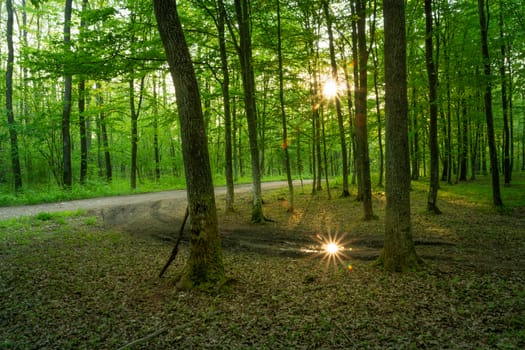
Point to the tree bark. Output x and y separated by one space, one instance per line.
13 134
248 79
104 135
398 253
283 112
335 78
82 122
433 137
507 168
67 176
483 24
225 86
204 265
361 131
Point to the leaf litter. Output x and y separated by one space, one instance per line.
71 285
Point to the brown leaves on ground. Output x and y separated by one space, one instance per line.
68 284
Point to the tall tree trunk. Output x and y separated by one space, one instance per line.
507 168
248 79
225 87
67 176
361 131
81 112
414 131
398 252
135 113
283 112
335 78
483 24
13 135
204 265
463 166
325 155
433 137
83 130
379 121
104 135
156 148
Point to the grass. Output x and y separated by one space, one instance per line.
69 282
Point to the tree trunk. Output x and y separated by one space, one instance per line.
104 134
13 135
507 168
248 79
156 148
398 253
82 130
225 86
135 113
433 137
483 24
342 134
362 154
204 265
81 114
67 176
283 112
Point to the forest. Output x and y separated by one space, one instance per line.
117 122
351 174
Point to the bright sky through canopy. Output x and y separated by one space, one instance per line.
330 89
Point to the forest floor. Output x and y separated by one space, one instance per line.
89 279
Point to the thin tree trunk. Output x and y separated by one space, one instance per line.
104 135
507 169
325 155
83 130
379 121
13 135
335 78
82 121
433 137
225 86
362 154
483 23
245 55
156 148
135 113
283 112
67 176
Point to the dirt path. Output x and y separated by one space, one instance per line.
111 204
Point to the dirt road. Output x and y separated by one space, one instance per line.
110 205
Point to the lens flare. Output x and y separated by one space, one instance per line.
332 248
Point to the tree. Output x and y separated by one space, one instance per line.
333 64
484 26
432 93
81 111
67 175
398 253
225 88
242 10
361 133
283 112
204 265
13 135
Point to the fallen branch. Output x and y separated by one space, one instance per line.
176 247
